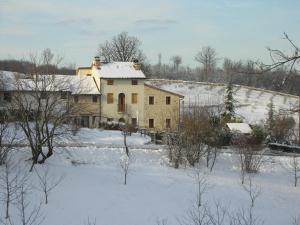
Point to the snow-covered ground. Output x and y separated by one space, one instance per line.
86 137
93 186
252 104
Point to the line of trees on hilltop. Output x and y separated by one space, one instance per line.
279 76
25 66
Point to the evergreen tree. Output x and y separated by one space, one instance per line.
229 113
270 121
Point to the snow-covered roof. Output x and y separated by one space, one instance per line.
69 83
119 70
83 85
243 128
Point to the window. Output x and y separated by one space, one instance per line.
134 82
151 123
121 103
168 100
151 100
134 98
134 121
168 123
7 96
95 99
110 82
110 98
89 74
110 119
76 99
63 95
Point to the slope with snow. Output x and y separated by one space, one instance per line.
251 103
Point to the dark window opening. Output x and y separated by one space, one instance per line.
95 99
151 100
151 123
121 120
134 82
168 100
168 123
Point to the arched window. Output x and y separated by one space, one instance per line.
121 102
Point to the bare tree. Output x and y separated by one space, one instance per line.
252 190
177 60
7 137
296 220
280 58
248 216
125 162
163 221
293 166
175 142
195 216
291 60
46 182
28 215
9 186
89 222
126 130
202 185
122 48
249 156
218 215
42 106
205 215
208 58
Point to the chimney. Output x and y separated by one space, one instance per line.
136 64
97 62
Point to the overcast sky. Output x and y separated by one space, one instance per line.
238 29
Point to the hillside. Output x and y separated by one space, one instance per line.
251 103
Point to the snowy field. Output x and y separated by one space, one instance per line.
93 186
252 104
86 137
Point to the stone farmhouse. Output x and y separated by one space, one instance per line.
125 96
106 92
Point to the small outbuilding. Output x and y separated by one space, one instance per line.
243 128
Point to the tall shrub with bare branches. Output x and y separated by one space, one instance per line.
250 156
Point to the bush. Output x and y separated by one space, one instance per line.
259 134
